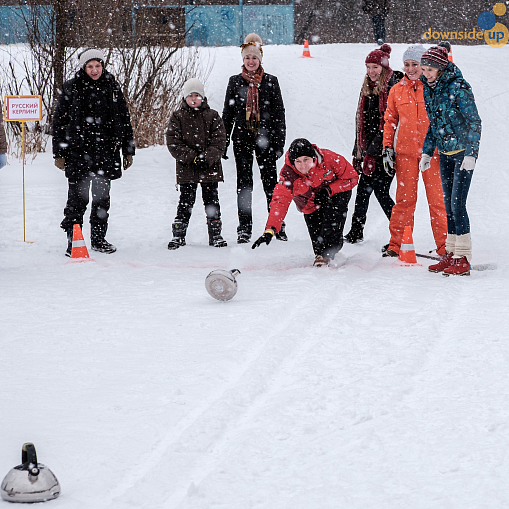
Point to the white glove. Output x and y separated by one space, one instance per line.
424 163
388 158
468 163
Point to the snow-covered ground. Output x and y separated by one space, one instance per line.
364 385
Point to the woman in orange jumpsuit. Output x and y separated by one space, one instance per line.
406 113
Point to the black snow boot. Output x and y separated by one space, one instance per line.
243 235
179 229
281 234
215 238
356 233
97 238
69 243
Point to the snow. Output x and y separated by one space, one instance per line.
368 384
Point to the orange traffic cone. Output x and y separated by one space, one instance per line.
406 250
306 53
79 248
449 56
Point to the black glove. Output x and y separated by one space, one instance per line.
357 165
388 155
322 196
267 236
200 163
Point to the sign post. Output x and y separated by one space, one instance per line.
23 108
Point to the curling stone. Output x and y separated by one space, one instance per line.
30 481
221 284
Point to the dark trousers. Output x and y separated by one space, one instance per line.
379 28
325 225
266 160
78 198
188 197
380 183
455 184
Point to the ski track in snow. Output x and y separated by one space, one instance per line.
367 384
220 411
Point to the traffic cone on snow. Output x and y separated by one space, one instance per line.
79 248
406 250
306 53
449 56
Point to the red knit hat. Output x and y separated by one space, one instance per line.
436 57
380 56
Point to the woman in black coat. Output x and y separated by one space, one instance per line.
254 110
90 127
369 130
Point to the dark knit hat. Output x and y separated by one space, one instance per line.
300 147
436 57
380 56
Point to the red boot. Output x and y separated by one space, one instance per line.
459 267
445 261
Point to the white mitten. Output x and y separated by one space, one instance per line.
424 163
468 163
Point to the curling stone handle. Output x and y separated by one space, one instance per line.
29 457
235 272
28 454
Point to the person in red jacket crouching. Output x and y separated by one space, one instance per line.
320 182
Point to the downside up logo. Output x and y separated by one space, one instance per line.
495 34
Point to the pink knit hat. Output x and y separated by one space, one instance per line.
380 56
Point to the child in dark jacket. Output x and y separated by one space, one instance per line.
320 182
196 138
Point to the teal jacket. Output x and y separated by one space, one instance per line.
454 123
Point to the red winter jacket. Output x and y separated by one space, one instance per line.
330 169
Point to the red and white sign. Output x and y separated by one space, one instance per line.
23 108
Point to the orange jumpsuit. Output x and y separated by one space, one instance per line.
406 113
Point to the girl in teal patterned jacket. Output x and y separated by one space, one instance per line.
455 129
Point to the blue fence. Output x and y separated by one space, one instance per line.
210 25
13 25
226 25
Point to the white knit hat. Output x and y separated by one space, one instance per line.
90 54
252 46
414 52
193 86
